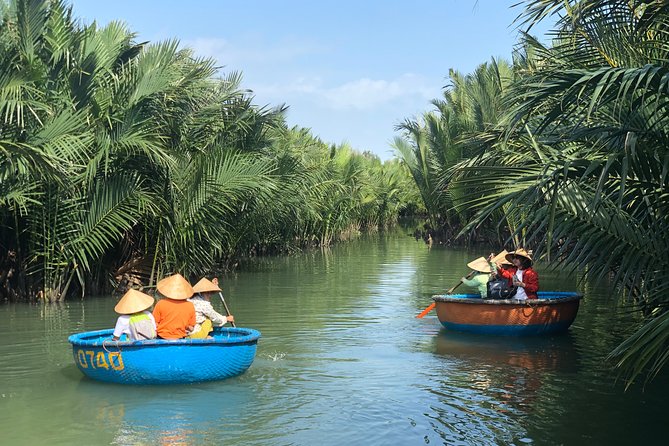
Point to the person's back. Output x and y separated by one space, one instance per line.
174 315
135 321
173 318
480 280
205 315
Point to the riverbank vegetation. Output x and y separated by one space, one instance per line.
121 161
565 150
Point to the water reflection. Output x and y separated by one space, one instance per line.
491 384
170 415
534 354
342 360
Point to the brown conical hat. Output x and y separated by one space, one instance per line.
480 265
175 287
205 286
520 252
501 258
133 302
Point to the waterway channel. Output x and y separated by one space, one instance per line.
342 361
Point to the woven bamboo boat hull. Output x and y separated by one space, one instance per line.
159 361
552 312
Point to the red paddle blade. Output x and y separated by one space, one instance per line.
427 310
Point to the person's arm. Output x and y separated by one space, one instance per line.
507 273
229 318
191 319
216 318
153 319
122 325
156 314
470 282
530 281
482 280
493 265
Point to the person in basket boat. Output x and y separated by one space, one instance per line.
522 274
498 263
480 279
205 315
135 321
175 315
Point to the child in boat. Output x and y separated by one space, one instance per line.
134 321
175 315
522 274
480 279
205 315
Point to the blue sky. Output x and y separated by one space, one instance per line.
348 70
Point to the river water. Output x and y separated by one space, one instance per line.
342 361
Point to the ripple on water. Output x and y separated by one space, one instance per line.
342 360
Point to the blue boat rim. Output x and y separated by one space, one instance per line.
241 336
555 298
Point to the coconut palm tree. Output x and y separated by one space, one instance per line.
101 108
122 161
458 129
582 163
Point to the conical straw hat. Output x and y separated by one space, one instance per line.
205 286
520 252
480 265
501 258
133 302
175 287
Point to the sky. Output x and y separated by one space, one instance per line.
348 70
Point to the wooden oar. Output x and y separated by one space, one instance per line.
433 304
227 310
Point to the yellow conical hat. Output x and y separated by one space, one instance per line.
480 265
520 252
501 258
205 286
175 287
133 302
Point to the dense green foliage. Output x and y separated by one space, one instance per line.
123 161
432 145
574 153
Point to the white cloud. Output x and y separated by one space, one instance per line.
240 56
291 64
338 102
367 93
300 85
360 94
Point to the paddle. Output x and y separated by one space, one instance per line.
220 294
227 310
433 304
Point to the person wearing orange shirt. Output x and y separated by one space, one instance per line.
174 315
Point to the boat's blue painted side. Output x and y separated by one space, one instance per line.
159 361
509 330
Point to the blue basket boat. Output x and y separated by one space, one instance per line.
552 312
160 361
